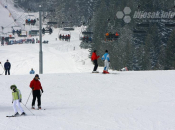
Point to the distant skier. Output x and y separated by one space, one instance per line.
35 85
7 67
124 69
32 71
16 99
2 41
94 58
106 60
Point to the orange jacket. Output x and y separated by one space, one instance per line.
107 34
116 34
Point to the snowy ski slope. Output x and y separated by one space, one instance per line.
122 101
58 56
5 20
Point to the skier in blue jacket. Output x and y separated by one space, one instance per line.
32 71
106 60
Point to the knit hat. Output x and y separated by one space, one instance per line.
37 76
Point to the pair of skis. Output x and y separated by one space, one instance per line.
16 116
25 114
37 109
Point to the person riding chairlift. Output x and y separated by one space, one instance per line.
116 35
26 21
60 37
63 37
110 36
107 36
87 39
34 21
66 38
29 21
69 37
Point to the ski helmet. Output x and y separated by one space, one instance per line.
13 87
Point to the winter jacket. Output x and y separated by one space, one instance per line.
116 34
94 56
7 66
32 72
35 84
16 95
106 57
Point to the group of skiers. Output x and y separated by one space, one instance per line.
105 58
18 32
30 21
36 87
64 37
111 37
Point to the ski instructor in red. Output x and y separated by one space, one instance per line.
94 58
35 85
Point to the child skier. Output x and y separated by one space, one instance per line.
106 60
16 99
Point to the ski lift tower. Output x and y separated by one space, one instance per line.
40 37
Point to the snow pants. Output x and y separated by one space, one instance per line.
7 71
106 63
17 103
36 94
95 65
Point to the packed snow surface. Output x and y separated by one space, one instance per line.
76 99
84 101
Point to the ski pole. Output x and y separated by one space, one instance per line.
28 98
27 108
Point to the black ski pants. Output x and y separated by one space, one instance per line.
36 94
7 71
95 65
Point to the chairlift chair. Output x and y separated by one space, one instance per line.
169 25
145 25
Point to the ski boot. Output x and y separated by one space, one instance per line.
16 114
33 107
23 114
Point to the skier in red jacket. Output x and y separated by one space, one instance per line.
35 85
94 58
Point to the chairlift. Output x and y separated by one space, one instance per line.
139 31
111 36
52 23
86 36
145 25
170 25
23 34
30 19
68 29
34 32
50 31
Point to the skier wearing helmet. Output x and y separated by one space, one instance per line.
16 99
